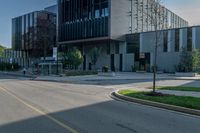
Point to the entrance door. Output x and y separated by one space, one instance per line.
121 63
145 62
112 63
84 63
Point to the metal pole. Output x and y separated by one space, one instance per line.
57 60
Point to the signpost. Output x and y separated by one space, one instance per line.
55 53
142 55
11 60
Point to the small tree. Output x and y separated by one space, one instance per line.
74 57
2 51
195 59
155 15
94 55
189 61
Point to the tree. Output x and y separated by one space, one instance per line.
94 55
156 16
195 59
185 64
189 61
74 57
2 48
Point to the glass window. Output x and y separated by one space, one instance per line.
108 48
134 44
23 25
106 12
31 20
27 23
177 40
165 47
97 13
103 13
189 39
116 47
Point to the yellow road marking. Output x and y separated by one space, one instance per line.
40 112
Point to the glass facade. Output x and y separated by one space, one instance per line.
142 17
82 19
28 32
16 33
133 44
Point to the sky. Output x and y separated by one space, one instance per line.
187 9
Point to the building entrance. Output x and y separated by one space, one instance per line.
144 62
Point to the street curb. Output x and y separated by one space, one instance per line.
156 104
51 80
20 75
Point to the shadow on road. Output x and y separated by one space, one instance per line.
107 117
195 83
92 118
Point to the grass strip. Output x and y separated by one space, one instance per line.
182 101
179 88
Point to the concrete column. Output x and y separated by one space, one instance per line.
169 41
194 36
181 39
141 42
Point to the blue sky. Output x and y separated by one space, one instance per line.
187 9
14 8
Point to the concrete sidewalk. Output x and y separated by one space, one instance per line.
19 74
170 92
181 93
118 76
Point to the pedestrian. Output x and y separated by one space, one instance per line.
24 71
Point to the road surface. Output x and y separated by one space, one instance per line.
28 106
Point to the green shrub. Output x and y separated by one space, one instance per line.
80 73
74 58
9 67
105 68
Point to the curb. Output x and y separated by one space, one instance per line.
20 75
116 79
156 104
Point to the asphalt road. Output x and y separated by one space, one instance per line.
48 107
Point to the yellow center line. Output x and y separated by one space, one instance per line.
39 111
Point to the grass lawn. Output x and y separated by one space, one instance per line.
179 88
183 101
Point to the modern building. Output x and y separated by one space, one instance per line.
52 9
12 56
105 24
170 44
34 34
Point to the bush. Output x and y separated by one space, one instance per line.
9 67
94 55
105 68
74 58
80 73
135 68
189 61
152 68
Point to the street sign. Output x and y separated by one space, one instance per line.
55 52
11 60
142 55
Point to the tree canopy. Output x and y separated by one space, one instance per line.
189 61
94 55
74 57
2 48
